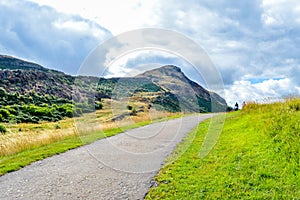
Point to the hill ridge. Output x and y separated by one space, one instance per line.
165 88
13 63
190 93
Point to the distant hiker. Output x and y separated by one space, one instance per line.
244 104
236 106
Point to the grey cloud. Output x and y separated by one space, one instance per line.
265 48
295 75
159 40
31 31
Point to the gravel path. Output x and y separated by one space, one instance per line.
119 167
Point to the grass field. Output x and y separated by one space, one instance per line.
256 157
25 143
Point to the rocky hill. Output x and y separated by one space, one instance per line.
12 63
190 95
167 88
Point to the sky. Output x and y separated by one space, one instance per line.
253 46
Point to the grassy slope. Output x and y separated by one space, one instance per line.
16 161
256 157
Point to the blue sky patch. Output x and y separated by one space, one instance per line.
260 80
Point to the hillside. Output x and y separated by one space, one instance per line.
256 157
190 95
24 83
11 63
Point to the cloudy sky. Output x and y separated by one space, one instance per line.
254 45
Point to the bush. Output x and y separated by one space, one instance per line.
57 126
98 105
85 107
11 110
66 110
21 111
2 129
77 112
5 113
133 112
229 109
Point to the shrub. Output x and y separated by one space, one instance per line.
5 113
57 126
77 112
98 105
11 110
2 129
66 110
85 107
229 109
2 92
133 112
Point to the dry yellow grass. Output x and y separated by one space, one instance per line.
20 141
21 137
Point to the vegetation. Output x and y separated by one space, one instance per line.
256 157
168 101
2 129
27 142
125 87
16 111
16 161
31 107
36 105
22 82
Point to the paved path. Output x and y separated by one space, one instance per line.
119 167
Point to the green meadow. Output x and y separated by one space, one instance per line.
257 156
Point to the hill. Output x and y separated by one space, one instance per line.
34 91
191 96
12 63
253 159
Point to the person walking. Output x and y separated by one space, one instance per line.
244 104
236 106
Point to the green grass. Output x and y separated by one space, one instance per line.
256 157
16 161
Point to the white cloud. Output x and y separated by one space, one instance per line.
244 39
139 61
83 27
115 15
136 62
260 92
153 39
280 12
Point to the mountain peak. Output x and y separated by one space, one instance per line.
189 93
166 86
166 68
171 67
167 71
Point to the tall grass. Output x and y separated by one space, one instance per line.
22 137
280 121
256 157
26 143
